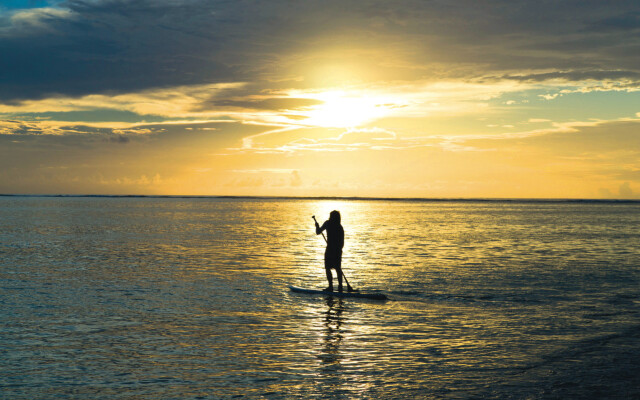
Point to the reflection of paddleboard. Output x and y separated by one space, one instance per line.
371 296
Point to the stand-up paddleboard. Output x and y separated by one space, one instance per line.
371 296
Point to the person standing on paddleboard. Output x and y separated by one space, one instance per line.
335 243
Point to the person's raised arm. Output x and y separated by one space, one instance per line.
318 228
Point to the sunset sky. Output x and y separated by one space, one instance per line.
471 98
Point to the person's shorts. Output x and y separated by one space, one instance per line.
333 259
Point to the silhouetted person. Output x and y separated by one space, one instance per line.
335 242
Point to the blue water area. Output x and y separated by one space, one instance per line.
147 298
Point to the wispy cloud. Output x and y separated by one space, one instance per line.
284 109
33 22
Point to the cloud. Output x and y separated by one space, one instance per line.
126 181
275 114
296 180
595 141
268 177
121 139
550 96
85 47
365 135
178 101
39 21
305 140
56 128
625 190
627 22
267 103
613 76
109 46
19 128
594 150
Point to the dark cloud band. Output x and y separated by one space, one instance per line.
117 46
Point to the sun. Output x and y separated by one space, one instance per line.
343 110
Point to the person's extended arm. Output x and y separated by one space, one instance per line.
320 229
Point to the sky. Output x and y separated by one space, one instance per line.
372 98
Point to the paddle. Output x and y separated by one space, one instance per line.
349 288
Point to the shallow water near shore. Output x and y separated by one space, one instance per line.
188 298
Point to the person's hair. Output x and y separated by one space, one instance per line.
334 216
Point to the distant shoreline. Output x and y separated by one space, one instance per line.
347 198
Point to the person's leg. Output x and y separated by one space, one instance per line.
338 267
339 273
327 268
330 279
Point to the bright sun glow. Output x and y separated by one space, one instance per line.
343 110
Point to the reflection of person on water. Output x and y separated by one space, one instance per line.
335 242
333 338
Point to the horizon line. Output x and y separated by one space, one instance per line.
350 198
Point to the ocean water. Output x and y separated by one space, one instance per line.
187 298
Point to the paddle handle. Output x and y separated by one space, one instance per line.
325 239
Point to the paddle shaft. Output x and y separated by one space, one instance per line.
322 233
349 288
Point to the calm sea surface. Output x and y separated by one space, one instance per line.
152 298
